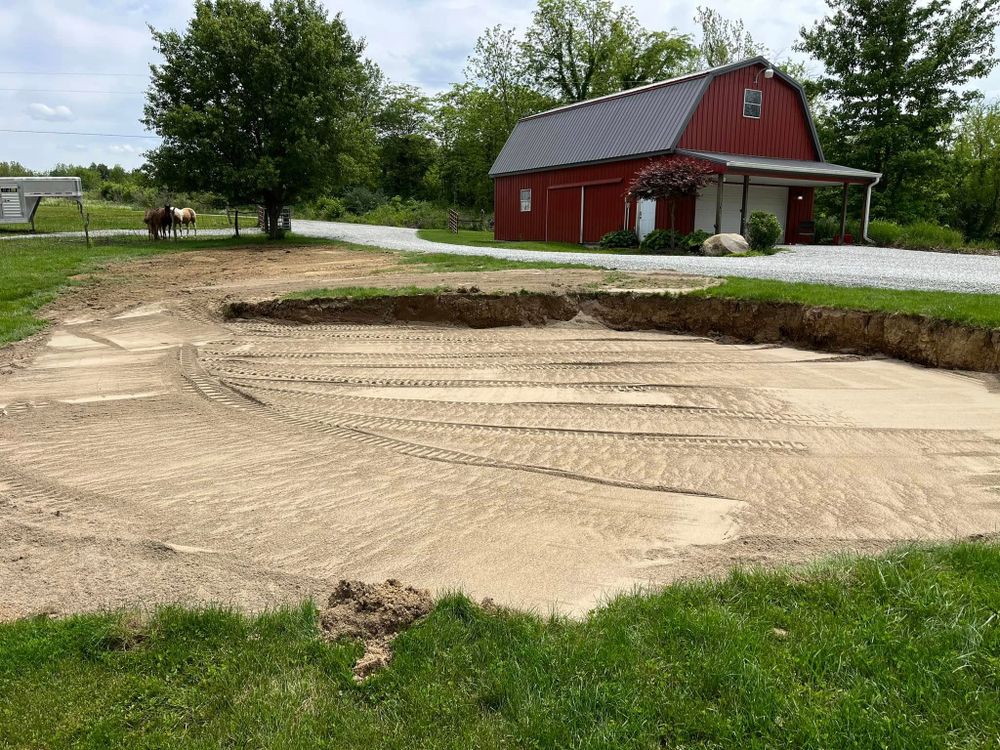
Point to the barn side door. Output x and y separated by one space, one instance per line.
563 220
646 220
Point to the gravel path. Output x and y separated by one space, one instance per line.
889 268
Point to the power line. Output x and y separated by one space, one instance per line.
73 91
69 132
51 73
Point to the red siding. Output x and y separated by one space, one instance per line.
555 203
683 215
799 211
718 123
564 215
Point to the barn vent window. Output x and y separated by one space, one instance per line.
526 199
752 99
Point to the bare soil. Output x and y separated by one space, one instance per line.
374 613
151 450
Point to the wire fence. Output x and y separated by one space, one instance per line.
105 224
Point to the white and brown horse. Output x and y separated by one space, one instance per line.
187 218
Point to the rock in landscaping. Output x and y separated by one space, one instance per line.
724 244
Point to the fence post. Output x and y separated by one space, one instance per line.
86 228
237 222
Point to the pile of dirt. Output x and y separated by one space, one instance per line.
374 613
912 338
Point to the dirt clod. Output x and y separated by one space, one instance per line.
374 613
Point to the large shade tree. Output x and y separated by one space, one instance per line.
261 104
895 78
671 179
579 49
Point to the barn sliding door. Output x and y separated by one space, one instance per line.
562 220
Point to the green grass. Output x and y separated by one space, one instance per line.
450 262
364 292
32 271
901 651
476 238
64 216
969 309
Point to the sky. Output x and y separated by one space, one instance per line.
81 66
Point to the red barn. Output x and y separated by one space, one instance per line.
563 175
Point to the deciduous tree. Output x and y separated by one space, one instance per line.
260 104
671 178
579 49
893 85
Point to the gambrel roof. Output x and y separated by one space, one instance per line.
644 121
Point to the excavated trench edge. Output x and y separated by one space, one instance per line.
912 338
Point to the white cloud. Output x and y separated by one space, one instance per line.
123 148
58 113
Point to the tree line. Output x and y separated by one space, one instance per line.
276 104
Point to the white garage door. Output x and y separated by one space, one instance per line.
773 200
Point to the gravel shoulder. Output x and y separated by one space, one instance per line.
887 268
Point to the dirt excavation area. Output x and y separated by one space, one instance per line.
151 450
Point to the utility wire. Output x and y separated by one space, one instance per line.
51 73
72 91
69 132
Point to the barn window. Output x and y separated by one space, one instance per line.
751 103
526 199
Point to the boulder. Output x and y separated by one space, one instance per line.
724 244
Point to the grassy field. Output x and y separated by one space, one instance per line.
901 651
476 238
969 309
64 216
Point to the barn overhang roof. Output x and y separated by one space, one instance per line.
799 171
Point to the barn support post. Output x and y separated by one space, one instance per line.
743 205
718 204
582 198
843 216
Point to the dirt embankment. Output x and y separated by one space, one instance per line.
912 338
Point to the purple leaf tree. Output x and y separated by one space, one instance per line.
671 178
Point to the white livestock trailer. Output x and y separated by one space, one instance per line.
20 196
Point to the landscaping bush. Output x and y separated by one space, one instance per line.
826 229
663 240
884 233
763 231
926 235
621 238
695 240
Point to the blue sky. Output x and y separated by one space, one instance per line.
424 42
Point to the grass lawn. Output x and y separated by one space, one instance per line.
970 309
364 292
448 262
64 216
476 238
33 270
901 651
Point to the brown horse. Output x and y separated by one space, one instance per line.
159 222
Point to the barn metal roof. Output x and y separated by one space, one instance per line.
604 129
639 122
791 167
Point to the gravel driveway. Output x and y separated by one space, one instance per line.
889 268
